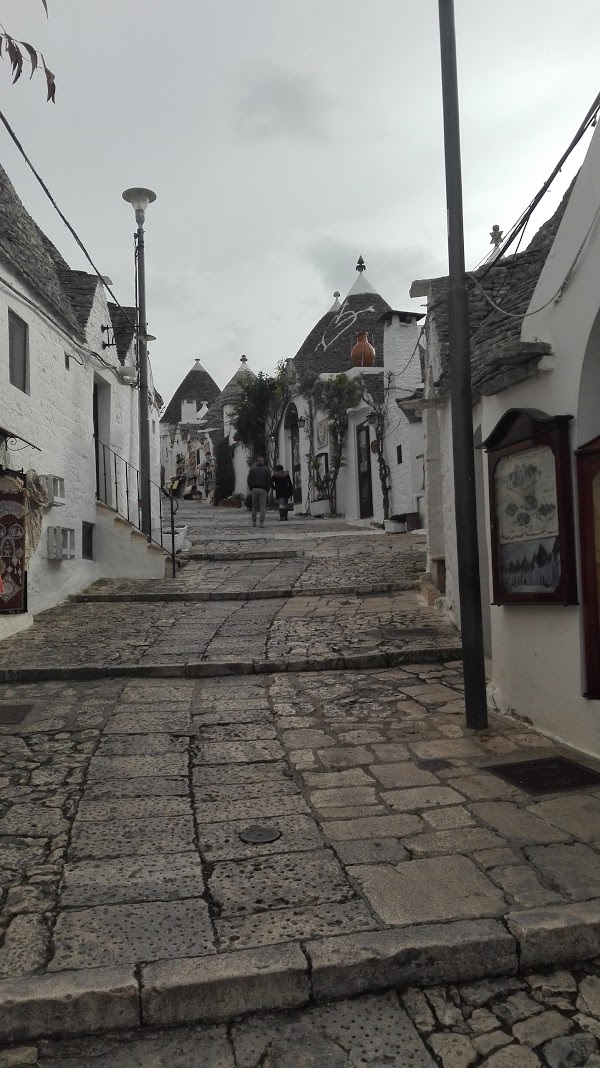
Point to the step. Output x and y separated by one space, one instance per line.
215 668
294 975
250 554
282 593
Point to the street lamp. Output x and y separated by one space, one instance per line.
140 198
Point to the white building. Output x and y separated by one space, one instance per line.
537 410
217 425
67 383
395 378
183 445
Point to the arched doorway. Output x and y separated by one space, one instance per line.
291 425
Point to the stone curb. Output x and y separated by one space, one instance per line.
274 554
247 595
224 986
214 668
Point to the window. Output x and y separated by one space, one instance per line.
398 454
67 361
87 541
153 427
18 355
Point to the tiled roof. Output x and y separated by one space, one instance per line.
28 252
80 288
499 358
123 323
329 344
197 386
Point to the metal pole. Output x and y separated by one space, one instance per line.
142 353
460 395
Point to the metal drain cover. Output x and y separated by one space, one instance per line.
258 835
10 715
550 775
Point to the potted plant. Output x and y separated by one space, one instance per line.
396 524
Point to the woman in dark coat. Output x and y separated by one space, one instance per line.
282 484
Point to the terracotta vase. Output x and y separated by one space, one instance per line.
363 353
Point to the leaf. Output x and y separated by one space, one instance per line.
32 55
50 82
16 58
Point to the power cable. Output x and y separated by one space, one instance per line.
589 120
42 183
559 292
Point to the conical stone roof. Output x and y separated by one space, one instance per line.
329 344
30 254
197 386
213 420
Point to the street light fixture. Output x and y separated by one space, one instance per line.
140 198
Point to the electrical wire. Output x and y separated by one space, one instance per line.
73 233
559 292
589 120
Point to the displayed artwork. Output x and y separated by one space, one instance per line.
527 516
13 510
531 509
322 433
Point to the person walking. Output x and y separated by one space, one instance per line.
259 484
282 484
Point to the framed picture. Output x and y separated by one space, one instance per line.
322 433
531 509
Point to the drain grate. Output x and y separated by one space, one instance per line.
10 715
550 775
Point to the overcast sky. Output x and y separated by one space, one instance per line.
282 140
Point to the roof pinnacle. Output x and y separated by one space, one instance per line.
361 265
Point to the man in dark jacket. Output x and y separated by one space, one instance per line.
282 484
259 484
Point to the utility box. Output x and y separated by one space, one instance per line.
61 543
55 488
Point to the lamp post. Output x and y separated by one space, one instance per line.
140 198
461 402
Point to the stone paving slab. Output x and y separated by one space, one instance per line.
397 857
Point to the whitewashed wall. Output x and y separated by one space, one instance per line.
57 415
537 650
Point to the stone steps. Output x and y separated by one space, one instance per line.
294 975
214 668
241 554
358 590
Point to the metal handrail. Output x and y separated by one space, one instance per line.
118 486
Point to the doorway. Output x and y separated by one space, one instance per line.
101 421
291 423
363 462
588 477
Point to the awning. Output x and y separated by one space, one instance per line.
4 433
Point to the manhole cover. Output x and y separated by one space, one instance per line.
258 835
10 715
550 775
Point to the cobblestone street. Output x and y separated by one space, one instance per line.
397 860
